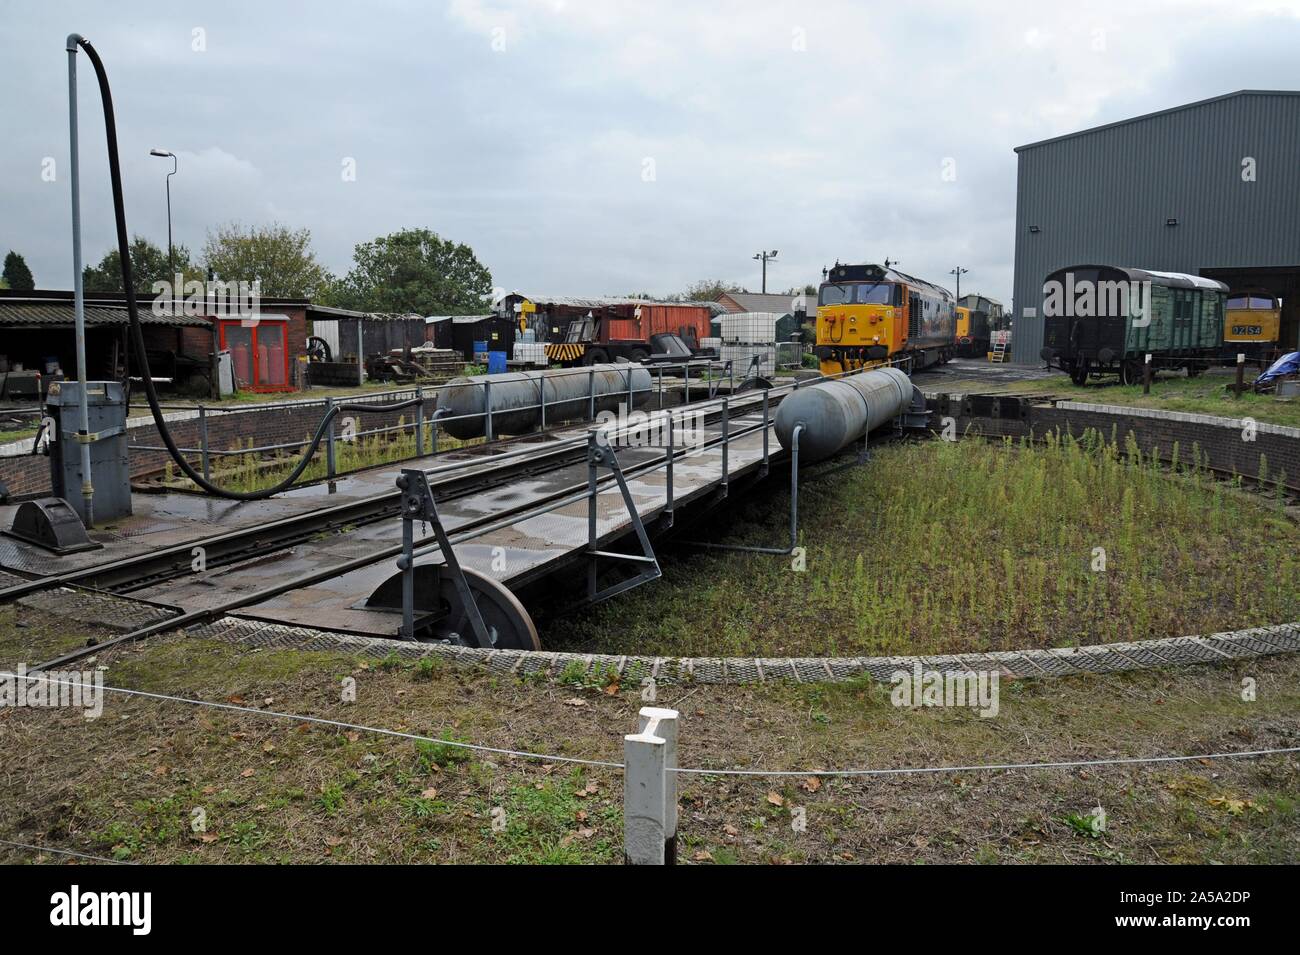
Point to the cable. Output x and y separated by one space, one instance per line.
137 330
321 721
991 767
681 771
65 852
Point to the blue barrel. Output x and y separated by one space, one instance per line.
496 362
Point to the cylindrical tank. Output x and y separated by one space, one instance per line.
516 397
837 413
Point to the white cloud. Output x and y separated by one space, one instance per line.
819 130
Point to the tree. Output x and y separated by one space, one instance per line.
709 290
149 264
275 255
17 275
415 270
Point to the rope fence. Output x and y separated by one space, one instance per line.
649 765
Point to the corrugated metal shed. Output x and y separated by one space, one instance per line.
1108 194
736 302
61 315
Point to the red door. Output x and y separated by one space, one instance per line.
259 352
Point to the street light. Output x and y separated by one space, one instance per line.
764 257
171 257
959 272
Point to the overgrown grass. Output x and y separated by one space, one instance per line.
968 546
253 471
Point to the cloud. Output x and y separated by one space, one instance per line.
828 132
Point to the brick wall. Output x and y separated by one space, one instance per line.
1221 440
278 423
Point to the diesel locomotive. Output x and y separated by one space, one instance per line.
869 314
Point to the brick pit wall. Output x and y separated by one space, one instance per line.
1219 440
294 420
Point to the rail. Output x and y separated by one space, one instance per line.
562 497
431 422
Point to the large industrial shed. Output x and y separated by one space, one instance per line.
1211 188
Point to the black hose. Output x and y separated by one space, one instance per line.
137 331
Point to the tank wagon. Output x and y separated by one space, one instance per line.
833 414
516 398
1105 319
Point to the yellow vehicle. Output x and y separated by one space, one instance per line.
868 314
1252 320
963 322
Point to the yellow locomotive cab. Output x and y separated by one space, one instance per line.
1252 321
869 314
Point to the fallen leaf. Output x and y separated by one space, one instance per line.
702 855
776 799
811 784
268 747
575 701
208 837
730 830
429 793
246 773
353 737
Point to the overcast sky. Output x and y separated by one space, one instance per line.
600 147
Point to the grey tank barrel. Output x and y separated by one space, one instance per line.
836 413
517 397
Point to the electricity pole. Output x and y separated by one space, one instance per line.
959 272
764 257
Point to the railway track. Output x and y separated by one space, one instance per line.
465 476
449 482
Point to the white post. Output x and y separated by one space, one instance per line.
650 790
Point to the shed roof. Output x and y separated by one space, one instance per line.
457 319
327 312
767 302
53 314
1160 112
573 301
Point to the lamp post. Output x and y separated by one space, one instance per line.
959 272
764 257
171 255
